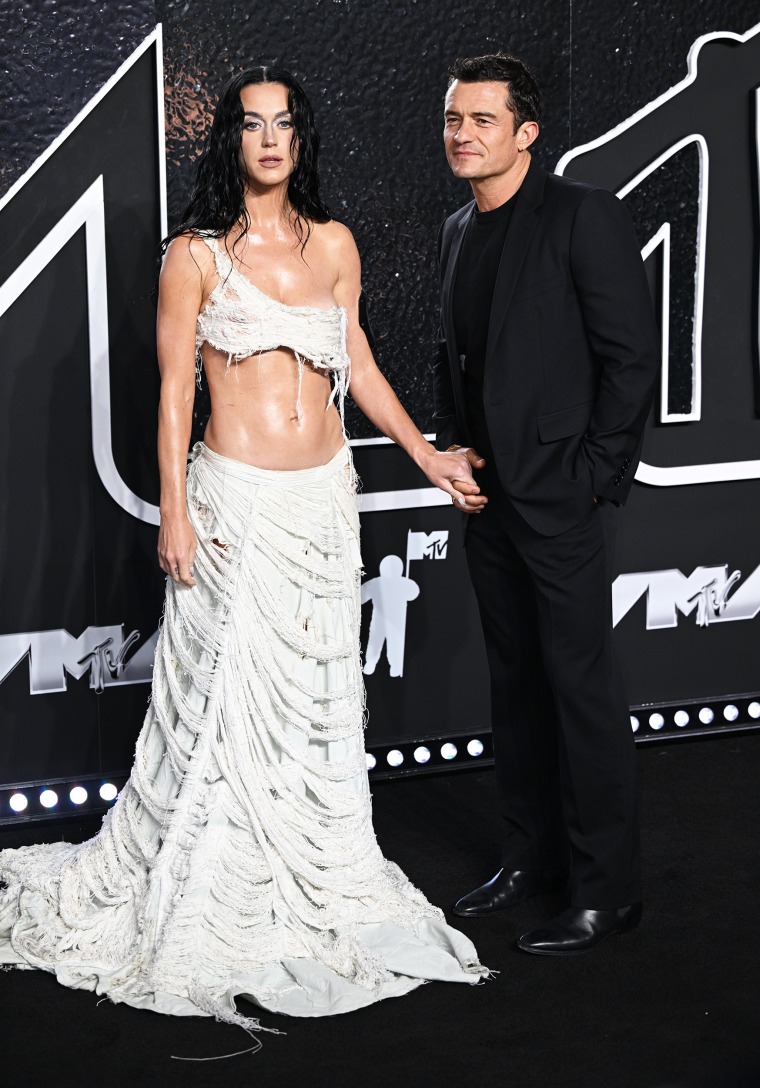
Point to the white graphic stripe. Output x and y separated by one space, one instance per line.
699 281
87 212
676 475
154 36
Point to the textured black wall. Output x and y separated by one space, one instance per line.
376 73
55 55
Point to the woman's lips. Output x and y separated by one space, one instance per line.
270 160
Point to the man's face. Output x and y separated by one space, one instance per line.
479 130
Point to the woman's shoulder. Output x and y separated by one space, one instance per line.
333 233
336 242
192 245
186 254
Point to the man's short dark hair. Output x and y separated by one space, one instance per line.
523 93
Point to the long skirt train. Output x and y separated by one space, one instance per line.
240 859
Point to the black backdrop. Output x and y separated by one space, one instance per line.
77 551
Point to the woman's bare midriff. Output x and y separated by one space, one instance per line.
253 411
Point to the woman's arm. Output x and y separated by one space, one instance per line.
179 302
370 390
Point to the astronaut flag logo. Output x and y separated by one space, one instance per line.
702 138
390 595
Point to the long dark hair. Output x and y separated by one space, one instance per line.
217 200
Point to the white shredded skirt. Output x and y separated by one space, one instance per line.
240 859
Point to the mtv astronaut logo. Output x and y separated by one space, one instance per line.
391 593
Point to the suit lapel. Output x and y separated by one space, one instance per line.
447 291
525 219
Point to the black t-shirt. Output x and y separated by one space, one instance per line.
473 293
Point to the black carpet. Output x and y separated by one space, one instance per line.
673 1005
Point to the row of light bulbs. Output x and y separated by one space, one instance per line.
706 715
448 751
108 792
395 757
49 798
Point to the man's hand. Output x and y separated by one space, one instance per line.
452 472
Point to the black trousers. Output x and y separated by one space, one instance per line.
564 751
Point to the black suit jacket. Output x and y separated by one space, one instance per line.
573 351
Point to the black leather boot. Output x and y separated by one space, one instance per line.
577 930
508 888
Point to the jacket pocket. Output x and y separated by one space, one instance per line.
570 421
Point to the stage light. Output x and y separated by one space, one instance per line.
730 712
422 754
754 710
395 758
108 791
18 802
371 762
475 747
78 795
706 715
634 723
681 718
449 750
656 721
48 798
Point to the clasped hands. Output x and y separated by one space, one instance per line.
452 472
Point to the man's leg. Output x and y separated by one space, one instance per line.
572 578
522 710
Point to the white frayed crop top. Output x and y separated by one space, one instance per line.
241 320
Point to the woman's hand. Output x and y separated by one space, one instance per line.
452 472
177 545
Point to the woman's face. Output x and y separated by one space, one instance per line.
265 146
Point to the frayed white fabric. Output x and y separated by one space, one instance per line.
240 859
240 319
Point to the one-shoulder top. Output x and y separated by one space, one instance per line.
241 320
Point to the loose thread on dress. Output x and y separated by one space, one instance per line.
220 1057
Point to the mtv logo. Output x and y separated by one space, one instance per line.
708 592
700 254
101 651
427 545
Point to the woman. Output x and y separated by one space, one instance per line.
240 858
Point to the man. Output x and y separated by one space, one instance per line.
545 370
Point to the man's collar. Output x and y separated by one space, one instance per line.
532 188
